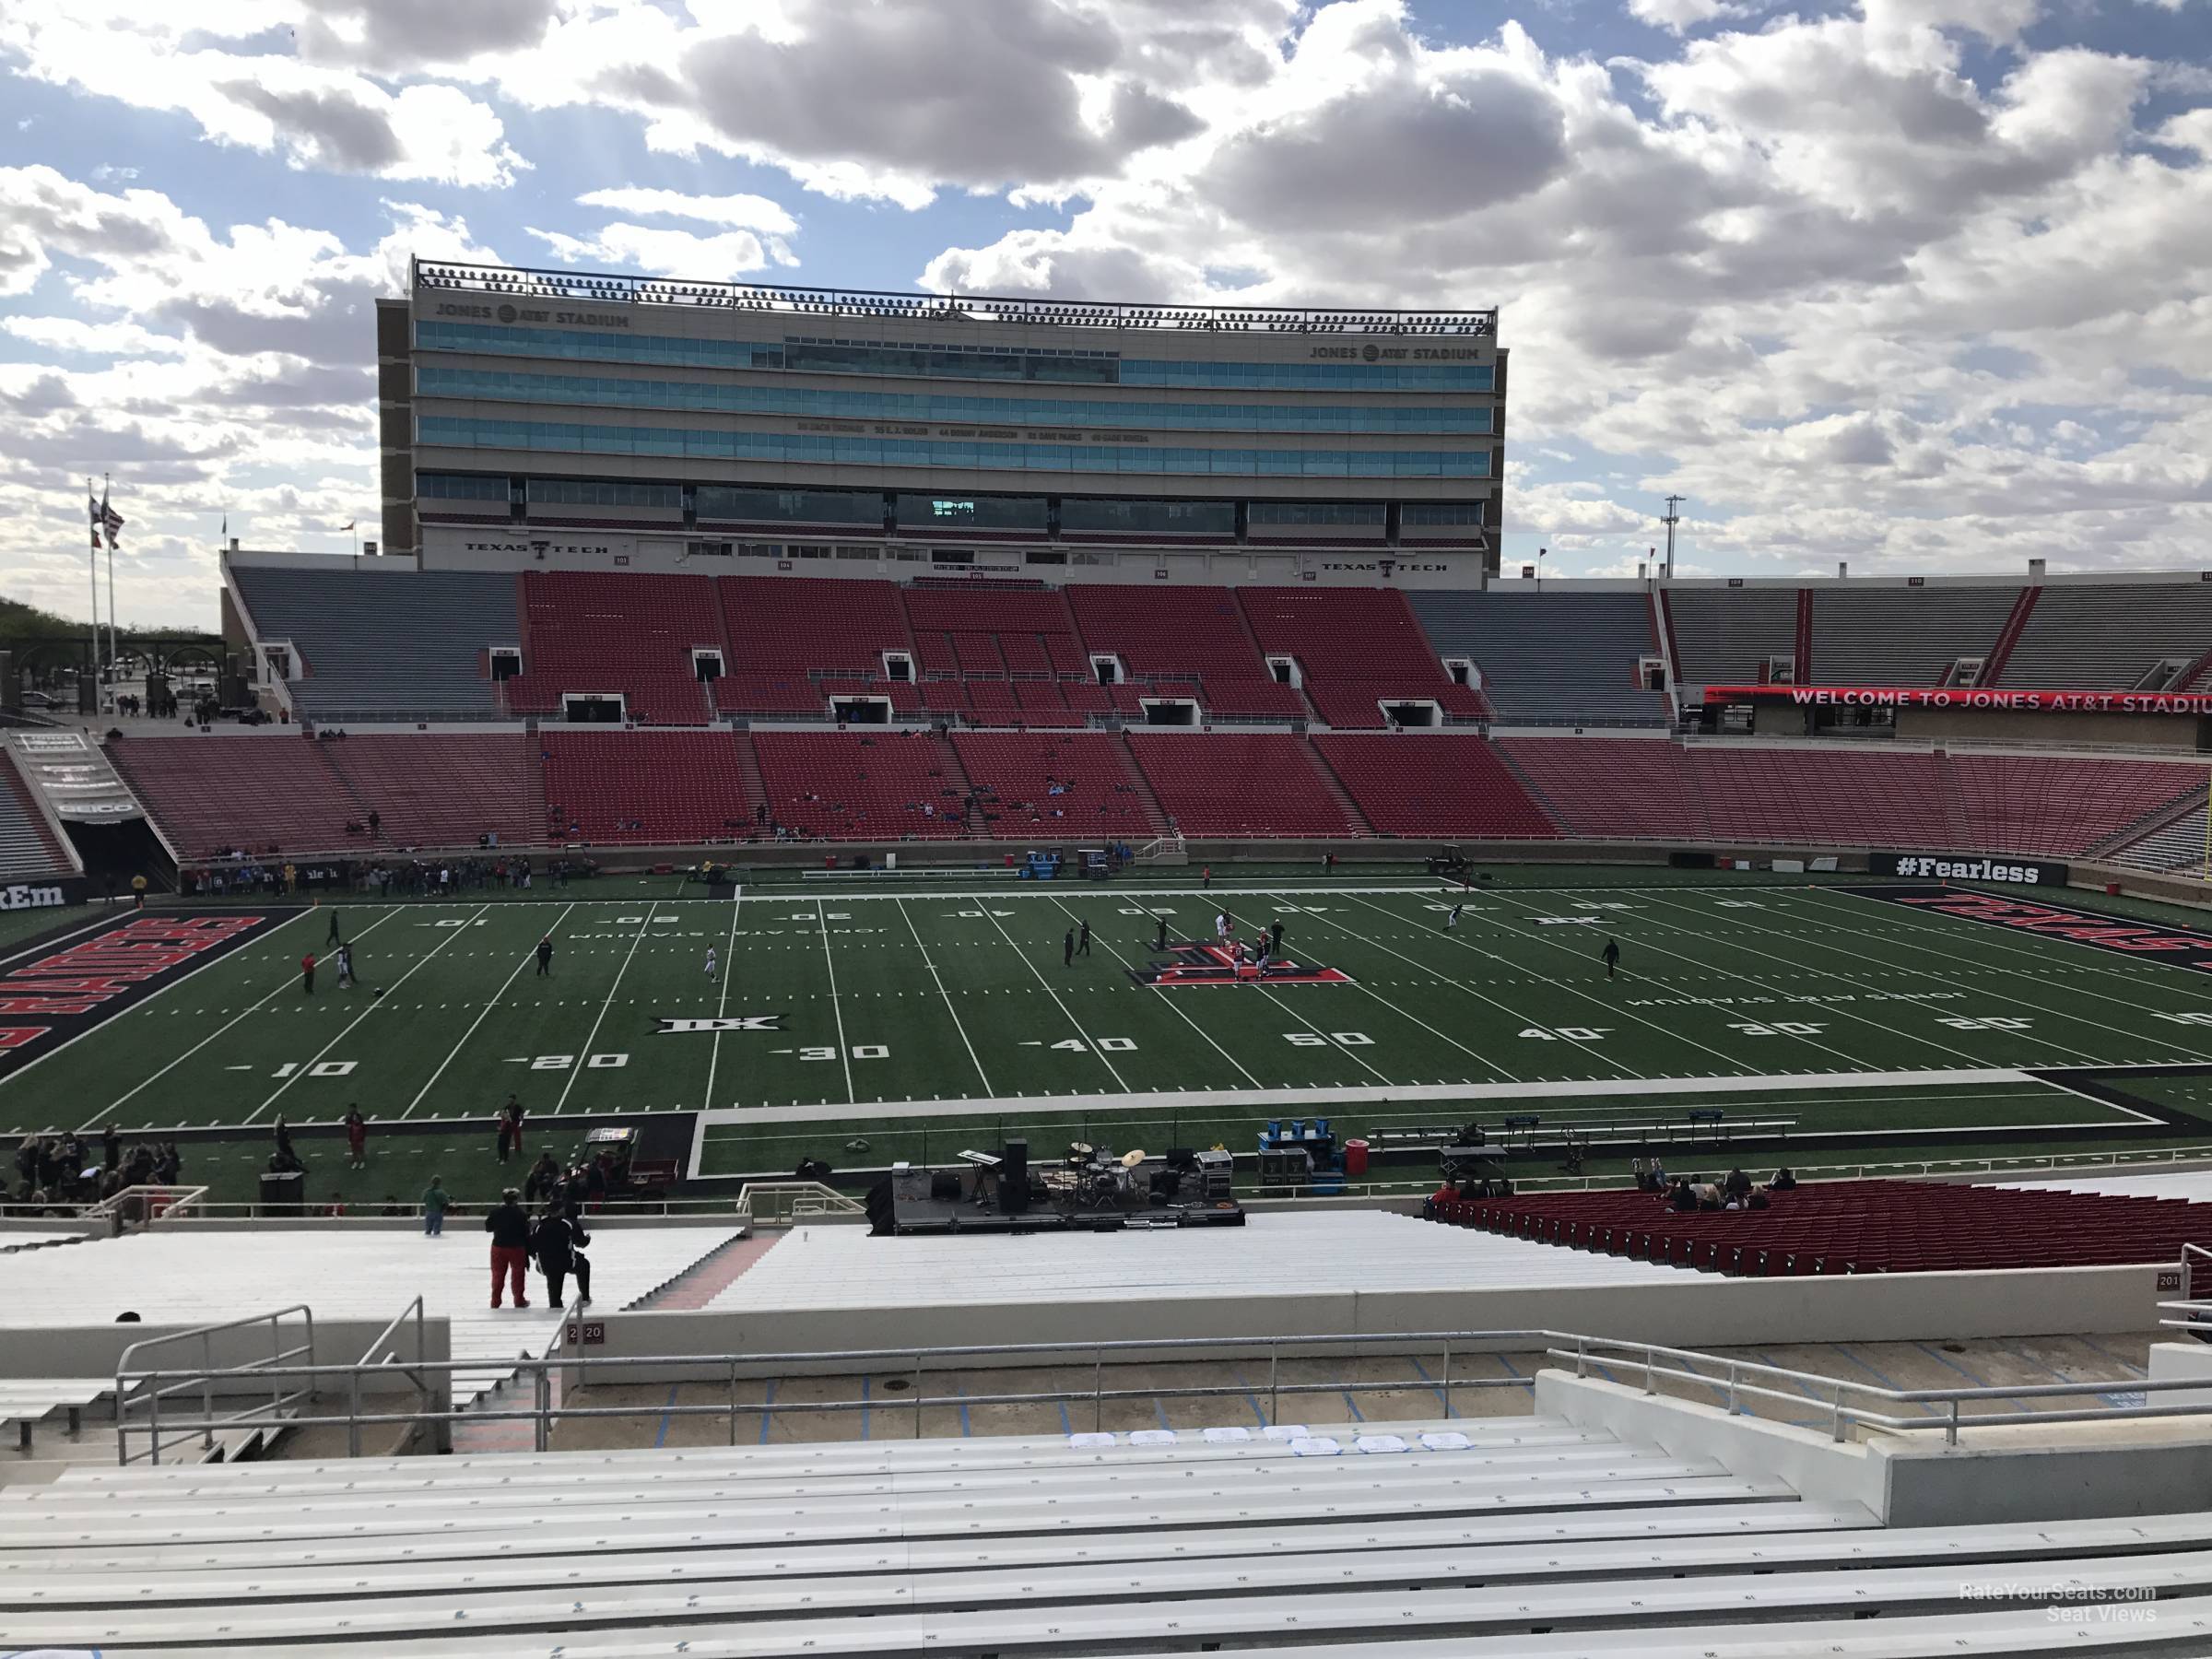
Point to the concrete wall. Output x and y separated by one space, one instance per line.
2160 732
1700 1310
94 1350
1908 1481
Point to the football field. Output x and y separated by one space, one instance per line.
876 1013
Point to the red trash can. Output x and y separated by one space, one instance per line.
1355 1158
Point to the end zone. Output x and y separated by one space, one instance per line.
50 998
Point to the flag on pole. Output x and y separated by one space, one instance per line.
106 518
346 526
94 506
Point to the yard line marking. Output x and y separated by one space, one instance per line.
1860 953
356 1020
211 1036
957 1025
1831 1008
1912 922
1440 979
583 1055
1072 1020
1491 916
1161 992
527 954
837 1004
729 972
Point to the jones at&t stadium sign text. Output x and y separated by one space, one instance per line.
1961 697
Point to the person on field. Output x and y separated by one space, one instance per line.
436 1201
1453 915
509 1225
307 974
334 936
559 1242
138 892
1083 940
510 1128
710 964
356 1139
1067 950
344 966
545 957
1612 957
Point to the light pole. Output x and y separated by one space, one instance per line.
1540 552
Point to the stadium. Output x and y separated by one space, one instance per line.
1356 1103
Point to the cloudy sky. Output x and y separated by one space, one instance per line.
1922 284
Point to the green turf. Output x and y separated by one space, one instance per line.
30 924
894 999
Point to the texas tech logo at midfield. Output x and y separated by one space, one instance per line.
1193 963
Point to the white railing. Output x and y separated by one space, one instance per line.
1850 1405
145 1204
137 1388
779 1203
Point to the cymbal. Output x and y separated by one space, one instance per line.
1131 1159
1078 1148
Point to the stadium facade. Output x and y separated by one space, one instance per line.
585 421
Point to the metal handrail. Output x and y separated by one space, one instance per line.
1738 1379
208 1424
375 1355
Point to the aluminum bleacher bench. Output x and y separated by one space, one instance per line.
29 1401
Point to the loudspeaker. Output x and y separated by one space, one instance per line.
1014 1178
944 1184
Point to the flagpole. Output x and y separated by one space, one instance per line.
95 596
114 651
115 655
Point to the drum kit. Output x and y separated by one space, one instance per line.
1093 1178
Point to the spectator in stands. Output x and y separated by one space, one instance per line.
559 1241
436 1201
337 1207
169 1163
510 1128
111 1147
1783 1180
1682 1198
509 1225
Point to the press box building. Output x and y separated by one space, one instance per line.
554 418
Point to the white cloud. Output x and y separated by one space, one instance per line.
739 212
104 339
664 253
1679 17
152 56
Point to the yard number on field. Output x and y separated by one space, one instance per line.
1571 1033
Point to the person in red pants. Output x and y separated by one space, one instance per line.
509 1226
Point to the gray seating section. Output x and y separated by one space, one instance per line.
1901 636
27 849
1722 634
2177 846
1399 1540
383 644
2108 636
1550 659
